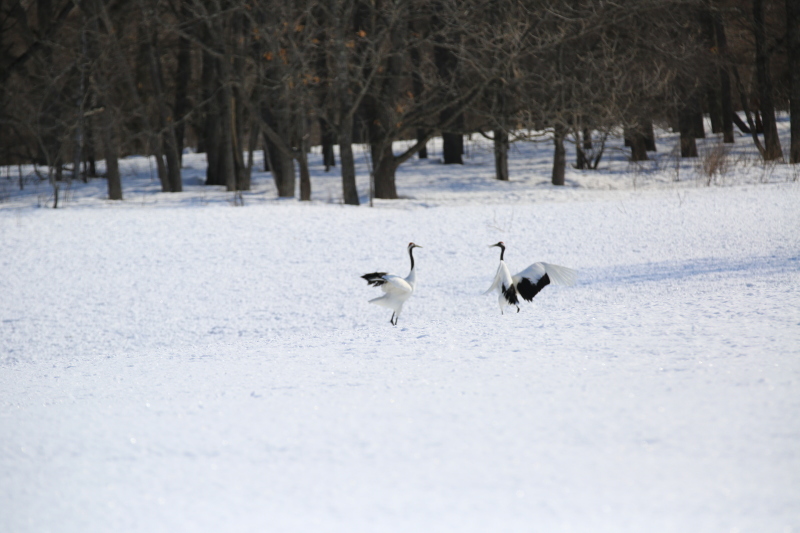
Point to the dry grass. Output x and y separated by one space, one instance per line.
714 161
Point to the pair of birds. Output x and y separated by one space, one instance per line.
527 283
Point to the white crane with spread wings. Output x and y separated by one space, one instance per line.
527 283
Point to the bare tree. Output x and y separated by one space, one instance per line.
726 103
772 144
81 78
793 45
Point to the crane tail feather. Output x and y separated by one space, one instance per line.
375 279
510 294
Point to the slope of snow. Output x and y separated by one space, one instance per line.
174 363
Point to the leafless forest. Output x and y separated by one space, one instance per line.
87 80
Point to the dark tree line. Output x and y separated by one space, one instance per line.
82 80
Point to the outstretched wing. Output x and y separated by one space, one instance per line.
557 274
528 289
536 277
561 275
389 283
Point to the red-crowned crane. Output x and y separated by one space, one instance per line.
397 290
527 283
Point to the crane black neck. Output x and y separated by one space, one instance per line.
502 251
411 255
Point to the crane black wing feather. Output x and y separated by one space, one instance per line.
528 289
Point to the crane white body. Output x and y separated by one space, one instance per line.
527 283
396 289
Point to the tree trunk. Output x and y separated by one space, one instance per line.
92 53
78 139
287 184
686 128
166 121
423 153
163 174
265 148
649 135
110 146
587 139
227 166
772 145
242 169
109 139
384 171
173 163
112 155
501 155
745 107
638 145
91 156
726 102
239 45
54 179
726 106
50 148
282 170
698 125
252 145
211 127
446 63
343 20
581 161
560 155
349 188
757 114
328 140
281 158
452 146
302 160
712 89
793 40
641 138
182 76
241 178
305 177
418 87
714 109
744 128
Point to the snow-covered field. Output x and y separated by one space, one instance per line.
176 363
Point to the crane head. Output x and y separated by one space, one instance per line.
411 246
502 248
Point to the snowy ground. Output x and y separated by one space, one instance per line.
175 363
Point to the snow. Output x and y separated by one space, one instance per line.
175 363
